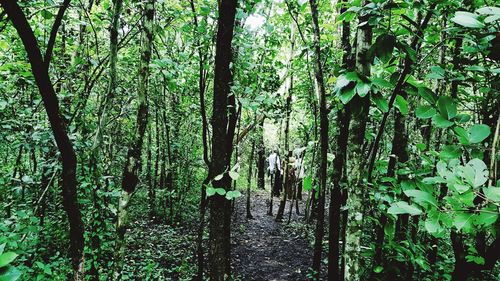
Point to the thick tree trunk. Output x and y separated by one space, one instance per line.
223 124
323 113
133 160
59 129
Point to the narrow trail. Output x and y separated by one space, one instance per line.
264 249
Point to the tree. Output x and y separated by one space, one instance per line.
39 68
133 162
223 128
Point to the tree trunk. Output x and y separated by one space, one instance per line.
133 160
281 208
261 169
223 126
323 113
249 180
59 129
360 108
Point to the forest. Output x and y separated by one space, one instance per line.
249 140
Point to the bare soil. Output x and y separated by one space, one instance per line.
264 249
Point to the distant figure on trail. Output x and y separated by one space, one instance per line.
299 171
274 171
290 183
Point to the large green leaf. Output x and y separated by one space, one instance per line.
421 196
401 104
433 226
381 83
363 88
475 172
427 94
487 216
441 122
450 152
467 19
401 207
492 193
462 135
425 111
463 221
478 133
380 102
345 95
447 107
7 258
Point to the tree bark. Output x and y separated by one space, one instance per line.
355 194
223 126
130 177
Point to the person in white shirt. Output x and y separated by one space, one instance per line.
274 171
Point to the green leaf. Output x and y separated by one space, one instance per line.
427 94
378 269
7 258
478 133
401 104
433 226
234 175
487 216
362 89
475 172
346 95
467 19
441 122
210 191
462 135
381 83
492 193
450 152
219 177
380 102
232 194
425 112
220 191
463 221
462 118
352 76
2 247
489 11
342 81
437 72
402 207
447 107
9 274
421 196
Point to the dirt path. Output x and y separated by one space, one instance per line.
264 249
